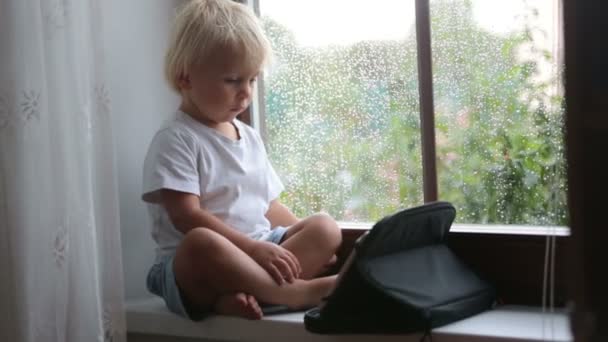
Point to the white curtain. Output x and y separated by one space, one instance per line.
60 265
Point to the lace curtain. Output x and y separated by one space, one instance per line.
60 266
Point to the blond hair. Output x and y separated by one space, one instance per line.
204 26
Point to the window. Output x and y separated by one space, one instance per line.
498 111
341 114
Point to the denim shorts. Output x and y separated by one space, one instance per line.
161 281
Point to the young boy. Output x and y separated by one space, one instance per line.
224 239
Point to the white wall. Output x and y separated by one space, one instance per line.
135 38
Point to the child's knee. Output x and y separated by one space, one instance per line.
328 229
202 243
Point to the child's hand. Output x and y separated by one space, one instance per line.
279 262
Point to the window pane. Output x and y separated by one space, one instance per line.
341 106
499 112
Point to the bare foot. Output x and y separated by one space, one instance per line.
239 305
311 292
324 287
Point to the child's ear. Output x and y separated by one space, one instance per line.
184 82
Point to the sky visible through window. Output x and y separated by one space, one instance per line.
323 22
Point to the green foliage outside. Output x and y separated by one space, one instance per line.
344 128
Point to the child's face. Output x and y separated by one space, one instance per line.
221 88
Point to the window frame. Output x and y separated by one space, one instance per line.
510 256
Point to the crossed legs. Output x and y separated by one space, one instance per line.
213 274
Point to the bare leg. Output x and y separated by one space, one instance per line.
209 267
314 241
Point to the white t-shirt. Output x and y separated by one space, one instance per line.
233 178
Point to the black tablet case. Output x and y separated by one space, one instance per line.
401 277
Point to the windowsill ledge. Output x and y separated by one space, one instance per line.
507 323
503 229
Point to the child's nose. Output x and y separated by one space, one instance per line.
246 90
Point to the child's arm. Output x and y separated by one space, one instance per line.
186 214
279 215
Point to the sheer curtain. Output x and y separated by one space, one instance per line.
60 265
